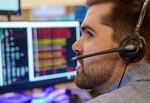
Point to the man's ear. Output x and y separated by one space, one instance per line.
143 39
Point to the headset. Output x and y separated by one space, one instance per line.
132 48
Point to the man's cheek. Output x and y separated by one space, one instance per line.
93 59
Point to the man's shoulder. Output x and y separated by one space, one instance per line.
133 93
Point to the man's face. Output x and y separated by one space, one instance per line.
96 36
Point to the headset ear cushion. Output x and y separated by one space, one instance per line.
134 55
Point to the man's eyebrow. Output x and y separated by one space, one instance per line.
83 27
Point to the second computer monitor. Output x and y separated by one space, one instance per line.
36 54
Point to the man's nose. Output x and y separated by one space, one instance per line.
77 47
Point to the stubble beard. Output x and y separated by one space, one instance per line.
97 72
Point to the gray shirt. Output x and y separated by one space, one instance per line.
136 89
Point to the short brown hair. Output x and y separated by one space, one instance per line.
124 17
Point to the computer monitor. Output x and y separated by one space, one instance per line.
36 54
10 7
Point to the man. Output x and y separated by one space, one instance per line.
106 24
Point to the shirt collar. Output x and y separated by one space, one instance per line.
140 72
137 73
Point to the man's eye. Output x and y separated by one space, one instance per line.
89 33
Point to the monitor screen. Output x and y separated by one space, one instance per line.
9 7
36 54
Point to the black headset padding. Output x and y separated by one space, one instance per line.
136 54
